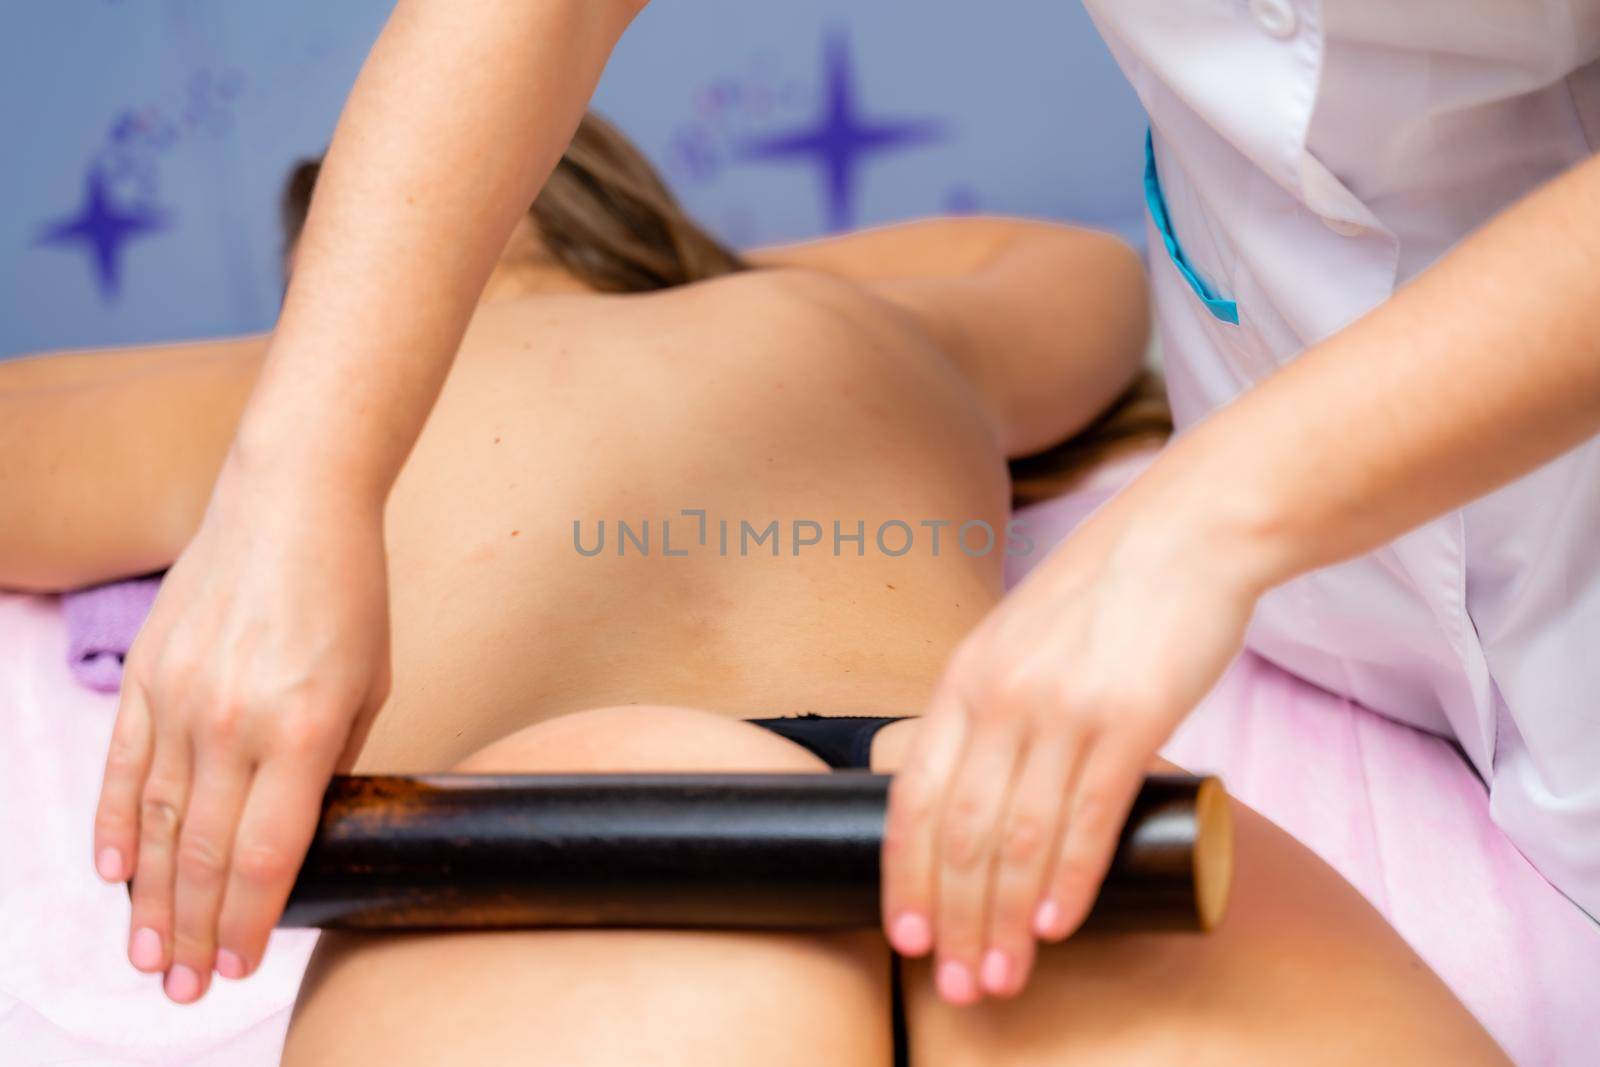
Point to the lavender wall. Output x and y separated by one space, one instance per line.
146 140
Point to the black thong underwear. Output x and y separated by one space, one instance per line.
843 742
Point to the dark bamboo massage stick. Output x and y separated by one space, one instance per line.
767 851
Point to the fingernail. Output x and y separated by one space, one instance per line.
955 983
996 972
229 964
144 950
1046 918
109 865
911 935
183 985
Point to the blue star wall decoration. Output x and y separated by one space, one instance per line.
101 228
841 137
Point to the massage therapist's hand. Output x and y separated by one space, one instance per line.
254 677
1003 818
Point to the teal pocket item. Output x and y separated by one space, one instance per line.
1226 310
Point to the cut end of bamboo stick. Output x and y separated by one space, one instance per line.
1213 853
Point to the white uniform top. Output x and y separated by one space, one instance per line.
1312 157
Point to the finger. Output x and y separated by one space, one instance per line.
1101 795
969 833
204 845
909 850
280 816
161 809
1029 830
116 819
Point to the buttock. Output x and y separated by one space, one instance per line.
576 996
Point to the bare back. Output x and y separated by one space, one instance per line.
838 421
778 404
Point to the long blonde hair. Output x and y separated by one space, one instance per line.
604 215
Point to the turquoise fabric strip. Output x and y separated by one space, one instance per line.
1226 310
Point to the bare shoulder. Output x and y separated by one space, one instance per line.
776 312
1046 321
803 292
801 310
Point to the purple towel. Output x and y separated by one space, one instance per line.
102 622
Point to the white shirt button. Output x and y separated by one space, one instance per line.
1275 16
1344 228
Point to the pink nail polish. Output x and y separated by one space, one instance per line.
996 972
144 949
911 935
1046 919
955 983
183 985
109 865
229 964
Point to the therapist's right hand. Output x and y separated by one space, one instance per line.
252 682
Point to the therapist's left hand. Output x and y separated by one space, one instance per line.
1004 816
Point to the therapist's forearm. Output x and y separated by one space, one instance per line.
457 118
1483 368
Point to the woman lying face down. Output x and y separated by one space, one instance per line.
666 489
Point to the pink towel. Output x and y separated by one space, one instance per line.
67 992
102 622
